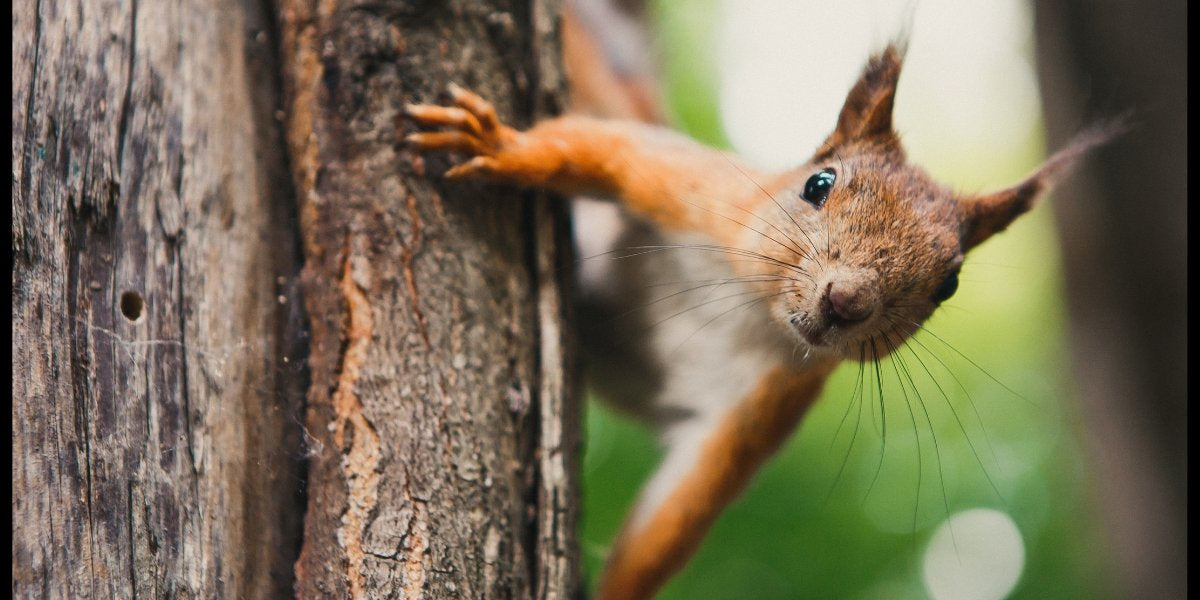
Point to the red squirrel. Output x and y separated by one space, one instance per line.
841 258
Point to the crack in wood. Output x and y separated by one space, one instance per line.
299 50
409 249
30 134
132 538
127 103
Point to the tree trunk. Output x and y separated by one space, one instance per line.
157 358
442 438
1123 222
160 352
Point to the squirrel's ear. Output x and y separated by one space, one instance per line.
984 216
867 111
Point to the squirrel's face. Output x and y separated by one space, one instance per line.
872 245
874 248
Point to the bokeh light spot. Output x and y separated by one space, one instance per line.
976 554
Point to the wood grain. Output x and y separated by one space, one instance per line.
157 353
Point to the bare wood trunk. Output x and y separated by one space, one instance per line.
1123 224
443 436
157 359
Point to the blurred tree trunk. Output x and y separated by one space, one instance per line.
1123 223
443 442
157 360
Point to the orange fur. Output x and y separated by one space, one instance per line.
642 560
886 235
663 177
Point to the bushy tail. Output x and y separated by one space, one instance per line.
607 55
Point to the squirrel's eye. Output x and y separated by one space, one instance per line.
947 289
816 190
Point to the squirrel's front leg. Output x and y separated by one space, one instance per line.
700 476
667 178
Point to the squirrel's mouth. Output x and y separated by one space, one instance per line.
814 338
824 334
833 334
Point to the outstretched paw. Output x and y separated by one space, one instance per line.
471 127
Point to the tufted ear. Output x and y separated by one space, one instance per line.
984 216
867 112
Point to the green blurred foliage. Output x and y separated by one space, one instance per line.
829 518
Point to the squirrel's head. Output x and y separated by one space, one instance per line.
873 245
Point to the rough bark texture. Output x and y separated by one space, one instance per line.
157 365
443 441
1123 227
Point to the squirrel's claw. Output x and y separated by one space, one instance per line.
476 167
471 127
444 116
473 103
447 140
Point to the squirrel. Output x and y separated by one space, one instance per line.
841 258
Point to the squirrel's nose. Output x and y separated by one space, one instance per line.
847 301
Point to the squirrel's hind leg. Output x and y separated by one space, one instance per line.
705 469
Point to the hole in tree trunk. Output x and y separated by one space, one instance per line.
132 305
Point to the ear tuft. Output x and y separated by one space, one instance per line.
867 111
984 216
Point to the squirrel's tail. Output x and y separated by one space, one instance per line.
608 59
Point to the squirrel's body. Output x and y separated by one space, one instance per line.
672 337
732 293
667 348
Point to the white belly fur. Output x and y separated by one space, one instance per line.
679 361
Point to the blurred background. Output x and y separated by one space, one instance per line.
1015 480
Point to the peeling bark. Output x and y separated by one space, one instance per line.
445 436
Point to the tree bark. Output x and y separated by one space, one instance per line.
443 435
157 352
1123 223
